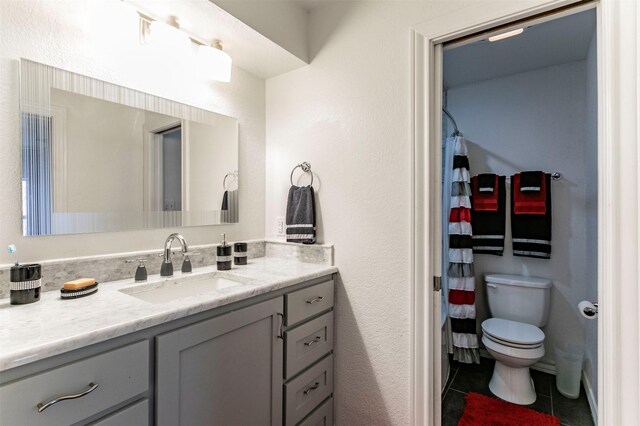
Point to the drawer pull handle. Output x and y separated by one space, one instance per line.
41 407
311 388
314 300
281 317
314 341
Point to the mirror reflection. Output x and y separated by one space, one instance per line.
98 157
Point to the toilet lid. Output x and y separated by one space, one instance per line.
513 331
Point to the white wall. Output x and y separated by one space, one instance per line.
536 121
96 38
349 115
591 294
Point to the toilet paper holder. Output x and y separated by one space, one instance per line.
591 311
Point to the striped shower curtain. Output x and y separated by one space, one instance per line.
460 273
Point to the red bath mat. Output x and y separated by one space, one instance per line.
484 411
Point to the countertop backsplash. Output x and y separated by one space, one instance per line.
112 267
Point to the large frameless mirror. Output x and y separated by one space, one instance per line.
99 157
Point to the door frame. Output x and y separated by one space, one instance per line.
618 197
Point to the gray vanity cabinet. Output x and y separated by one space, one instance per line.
226 370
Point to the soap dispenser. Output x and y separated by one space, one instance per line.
224 255
25 281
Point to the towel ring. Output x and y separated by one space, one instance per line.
306 167
230 174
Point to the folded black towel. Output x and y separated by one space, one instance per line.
486 182
488 226
531 233
301 215
531 181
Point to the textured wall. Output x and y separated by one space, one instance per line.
537 121
349 115
97 39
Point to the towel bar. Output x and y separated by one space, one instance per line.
233 174
306 167
554 176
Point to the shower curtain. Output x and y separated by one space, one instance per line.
459 279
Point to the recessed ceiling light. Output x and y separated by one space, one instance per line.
506 35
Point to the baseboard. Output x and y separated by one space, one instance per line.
593 402
544 366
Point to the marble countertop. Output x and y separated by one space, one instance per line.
53 326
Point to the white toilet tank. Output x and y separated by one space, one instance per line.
518 298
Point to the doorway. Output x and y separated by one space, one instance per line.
522 99
618 214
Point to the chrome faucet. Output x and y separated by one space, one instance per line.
166 270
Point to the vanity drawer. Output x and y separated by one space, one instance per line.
135 414
306 391
119 374
307 302
322 416
307 343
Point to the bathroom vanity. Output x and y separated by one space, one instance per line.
259 352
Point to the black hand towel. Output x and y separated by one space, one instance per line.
531 233
488 226
229 210
531 181
486 182
225 201
301 215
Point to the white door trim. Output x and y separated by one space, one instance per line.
618 204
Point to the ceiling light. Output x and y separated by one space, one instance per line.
215 63
506 35
168 35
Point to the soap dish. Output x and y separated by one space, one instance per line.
75 294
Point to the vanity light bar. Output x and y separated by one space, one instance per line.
214 59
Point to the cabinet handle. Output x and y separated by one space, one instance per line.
314 300
281 316
311 342
41 407
311 388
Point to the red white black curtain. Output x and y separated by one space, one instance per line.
460 272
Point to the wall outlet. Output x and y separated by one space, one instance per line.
280 227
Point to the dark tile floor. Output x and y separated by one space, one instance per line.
464 378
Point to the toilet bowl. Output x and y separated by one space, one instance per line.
515 346
519 306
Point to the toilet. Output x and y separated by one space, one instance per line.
519 307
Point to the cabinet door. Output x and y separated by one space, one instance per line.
223 371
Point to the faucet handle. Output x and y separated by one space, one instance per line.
141 270
186 263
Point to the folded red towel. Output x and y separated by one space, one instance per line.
529 202
484 201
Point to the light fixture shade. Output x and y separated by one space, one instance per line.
165 36
508 34
215 64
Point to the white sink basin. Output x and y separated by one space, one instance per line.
172 289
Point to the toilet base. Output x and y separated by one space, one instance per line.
512 384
